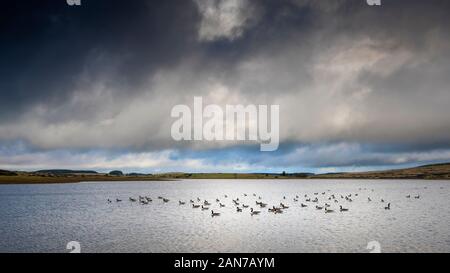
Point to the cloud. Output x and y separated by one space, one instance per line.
341 71
226 19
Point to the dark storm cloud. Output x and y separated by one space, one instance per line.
46 46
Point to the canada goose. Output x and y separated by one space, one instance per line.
165 200
195 206
303 205
245 206
132 199
217 200
238 209
118 200
319 208
308 200
262 205
388 207
328 210
342 209
213 214
160 197
417 197
283 206
206 203
408 196
205 208
181 203
221 205
148 199
254 212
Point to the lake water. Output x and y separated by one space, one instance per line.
44 218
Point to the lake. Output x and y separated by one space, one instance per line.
44 218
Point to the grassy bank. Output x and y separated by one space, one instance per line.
436 172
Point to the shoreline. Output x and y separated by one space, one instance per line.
436 172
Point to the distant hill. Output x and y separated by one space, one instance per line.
7 173
434 171
63 172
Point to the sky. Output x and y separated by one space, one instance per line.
92 87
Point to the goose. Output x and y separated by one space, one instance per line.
382 200
221 205
205 208
254 194
262 205
198 199
181 203
213 214
295 200
245 194
319 208
132 199
148 199
408 196
308 200
254 212
109 201
388 207
118 200
336 201
238 209
165 200
417 197
143 202
195 206
217 200
206 203
303 205
245 206
342 209
191 201
328 210
283 206
368 199
160 197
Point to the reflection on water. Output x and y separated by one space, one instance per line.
45 218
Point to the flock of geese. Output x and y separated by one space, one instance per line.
323 204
